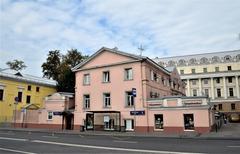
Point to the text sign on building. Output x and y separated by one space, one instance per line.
57 113
142 112
134 92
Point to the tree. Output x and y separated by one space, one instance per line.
58 67
51 66
16 65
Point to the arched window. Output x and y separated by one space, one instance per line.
171 63
181 62
215 59
192 61
204 60
238 57
227 58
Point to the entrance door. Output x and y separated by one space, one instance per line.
89 121
129 124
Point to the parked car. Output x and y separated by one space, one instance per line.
234 117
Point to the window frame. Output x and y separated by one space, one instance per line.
86 101
128 74
2 95
50 114
129 99
28 99
106 100
86 79
106 76
231 92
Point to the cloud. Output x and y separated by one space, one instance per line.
29 29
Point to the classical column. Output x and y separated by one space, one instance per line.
224 88
212 89
237 87
200 87
188 88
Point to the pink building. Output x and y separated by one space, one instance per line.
105 101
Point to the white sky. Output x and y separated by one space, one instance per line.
29 29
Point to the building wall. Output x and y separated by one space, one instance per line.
11 89
196 81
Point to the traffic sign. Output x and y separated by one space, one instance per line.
16 99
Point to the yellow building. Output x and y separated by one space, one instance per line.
28 90
212 74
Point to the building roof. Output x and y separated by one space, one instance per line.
17 76
116 51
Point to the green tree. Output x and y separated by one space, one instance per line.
58 67
16 65
51 66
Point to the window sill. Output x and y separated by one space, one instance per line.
128 79
106 82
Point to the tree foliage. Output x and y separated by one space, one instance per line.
16 65
58 67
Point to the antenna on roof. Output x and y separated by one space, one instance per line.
141 49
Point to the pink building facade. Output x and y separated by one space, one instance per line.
105 101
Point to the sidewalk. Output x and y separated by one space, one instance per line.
231 131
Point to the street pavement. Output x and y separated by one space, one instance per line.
34 141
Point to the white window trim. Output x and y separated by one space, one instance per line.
48 115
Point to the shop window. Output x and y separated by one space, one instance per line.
216 69
233 107
219 106
205 70
108 123
158 121
188 121
1 94
193 71
50 115
129 124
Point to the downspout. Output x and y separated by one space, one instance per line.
143 99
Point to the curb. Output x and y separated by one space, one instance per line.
122 135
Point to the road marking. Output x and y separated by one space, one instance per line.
17 151
14 139
234 146
124 141
50 136
7 133
110 148
81 136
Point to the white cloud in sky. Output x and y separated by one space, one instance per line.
29 29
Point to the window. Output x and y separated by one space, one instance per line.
153 76
206 91
193 71
218 92
19 96
128 74
28 99
129 124
194 82
205 70
233 107
181 71
106 76
129 99
217 80
107 99
216 69
188 121
50 115
158 121
205 81
231 92
86 101
37 89
29 88
194 92
229 79
229 68
86 79
219 106
1 94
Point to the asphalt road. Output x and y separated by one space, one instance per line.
34 143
